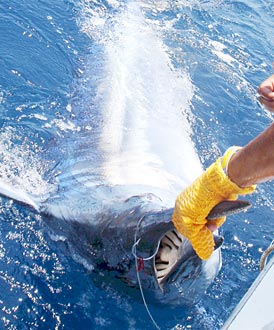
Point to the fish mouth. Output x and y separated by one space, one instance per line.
168 255
174 250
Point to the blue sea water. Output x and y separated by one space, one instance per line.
51 59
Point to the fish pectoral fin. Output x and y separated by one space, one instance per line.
19 195
226 208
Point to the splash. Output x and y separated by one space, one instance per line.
145 101
20 165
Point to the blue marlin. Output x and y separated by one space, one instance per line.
133 240
128 155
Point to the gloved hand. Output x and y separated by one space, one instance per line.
196 201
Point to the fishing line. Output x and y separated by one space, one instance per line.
134 252
145 259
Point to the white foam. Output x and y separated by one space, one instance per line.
219 50
144 101
21 170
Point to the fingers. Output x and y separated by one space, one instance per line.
266 91
266 88
267 102
211 226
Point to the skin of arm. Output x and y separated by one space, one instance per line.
254 163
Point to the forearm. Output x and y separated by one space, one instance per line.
254 163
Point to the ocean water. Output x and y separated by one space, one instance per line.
53 58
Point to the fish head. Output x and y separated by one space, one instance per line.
181 275
168 264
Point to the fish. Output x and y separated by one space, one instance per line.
124 158
136 242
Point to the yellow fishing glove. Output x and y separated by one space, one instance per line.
196 201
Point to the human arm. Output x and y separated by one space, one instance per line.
250 165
